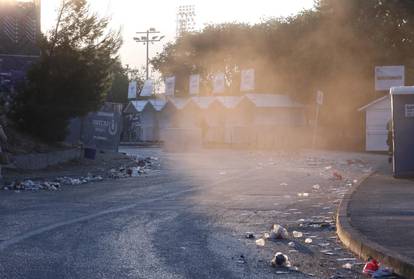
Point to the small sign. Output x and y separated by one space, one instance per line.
319 98
389 76
170 86
194 85
102 130
147 89
247 80
409 110
132 90
219 83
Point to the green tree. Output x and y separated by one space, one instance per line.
120 83
73 74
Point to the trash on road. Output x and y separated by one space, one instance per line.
337 176
280 260
316 187
308 240
347 266
292 244
249 235
278 232
283 184
297 234
305 195
382 273
370 267
260 242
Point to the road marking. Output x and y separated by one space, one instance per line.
16 239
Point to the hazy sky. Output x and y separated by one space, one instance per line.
139 15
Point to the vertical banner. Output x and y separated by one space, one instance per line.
147 89
219 83
132 90
194 85
247 82
169 86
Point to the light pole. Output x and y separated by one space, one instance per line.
146 40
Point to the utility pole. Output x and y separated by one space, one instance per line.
146 40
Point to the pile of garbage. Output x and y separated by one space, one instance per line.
51 185
137 168
140 167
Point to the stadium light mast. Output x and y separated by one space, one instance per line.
149 37
185 19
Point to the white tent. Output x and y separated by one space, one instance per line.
377 116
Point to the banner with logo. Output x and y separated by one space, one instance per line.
194 85
247 82
147 90
102 130
219 83
169 86
132 90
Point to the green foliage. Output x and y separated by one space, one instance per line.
72 76
119 89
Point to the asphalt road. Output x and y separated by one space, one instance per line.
187 219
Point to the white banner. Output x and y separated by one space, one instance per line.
132 90
247 82
169 86
389 76
194 86
219 83
148 88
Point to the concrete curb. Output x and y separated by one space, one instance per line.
359 244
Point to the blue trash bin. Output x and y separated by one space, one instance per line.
402 103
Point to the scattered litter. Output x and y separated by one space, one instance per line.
328 168
292 244
249 235
382 273
337 176
278 232
241 260
316 187
370 267
280 260
347 266
297 234
260 242
305 195
346 259
308 240
283 184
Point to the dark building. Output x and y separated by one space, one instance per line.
19 33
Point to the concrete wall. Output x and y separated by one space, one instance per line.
44 160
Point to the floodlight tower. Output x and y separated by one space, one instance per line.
185 19
146 40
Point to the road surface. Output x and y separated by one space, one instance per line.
187 219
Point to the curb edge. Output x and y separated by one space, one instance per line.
363 247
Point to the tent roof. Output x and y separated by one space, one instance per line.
203 102
272 101
229 102
178 103
364 108
158 104
136 106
